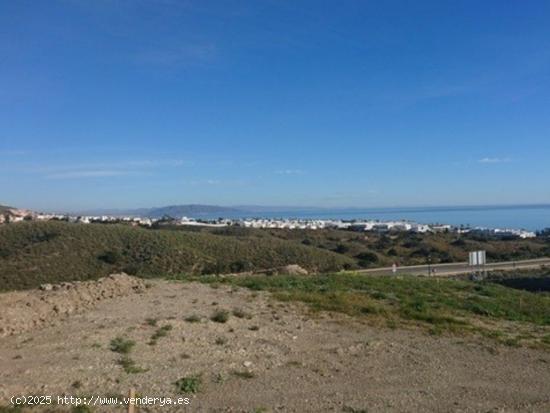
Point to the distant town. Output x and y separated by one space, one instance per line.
18 215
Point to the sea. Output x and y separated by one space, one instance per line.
528 217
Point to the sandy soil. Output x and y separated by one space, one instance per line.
298 362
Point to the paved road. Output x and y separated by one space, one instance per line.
458 268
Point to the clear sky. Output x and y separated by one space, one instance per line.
285 102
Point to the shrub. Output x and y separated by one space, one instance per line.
240 313
110 257
193 318
191 384
220 316
129 365
122 345
161 332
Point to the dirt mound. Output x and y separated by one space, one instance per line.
24 310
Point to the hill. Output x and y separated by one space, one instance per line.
178 211
405 248
32 253
4 209
175 211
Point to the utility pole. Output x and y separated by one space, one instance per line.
429 265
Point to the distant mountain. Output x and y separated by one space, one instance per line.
178 211
4 209
175 211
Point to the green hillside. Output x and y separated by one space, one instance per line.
32 253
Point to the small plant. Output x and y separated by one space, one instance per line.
219 378
129 365
245 374
161 332
122 345
240 313
151 322
76 384
253 328
193 318
220 341
220 316
191 384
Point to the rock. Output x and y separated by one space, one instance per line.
247 364
293 269
46 287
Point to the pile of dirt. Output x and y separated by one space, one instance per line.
24 310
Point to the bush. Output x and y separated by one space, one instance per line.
220 316
366 258
110 257
191 384
122 345
240 266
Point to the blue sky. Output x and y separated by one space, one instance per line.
323 103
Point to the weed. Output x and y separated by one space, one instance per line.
193 318
219 378
190 384
161 332
122 345
240 313
151 322
220 341
220 316
129 365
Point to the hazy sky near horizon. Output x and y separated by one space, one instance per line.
124 103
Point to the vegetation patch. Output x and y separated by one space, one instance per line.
190 384
122 345
240 313
439 305
129 365
161 332
34 253
193 318
220 316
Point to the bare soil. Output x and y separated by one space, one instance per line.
272 356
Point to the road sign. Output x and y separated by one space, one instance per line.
477 258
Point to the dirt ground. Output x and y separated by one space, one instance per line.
274 357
